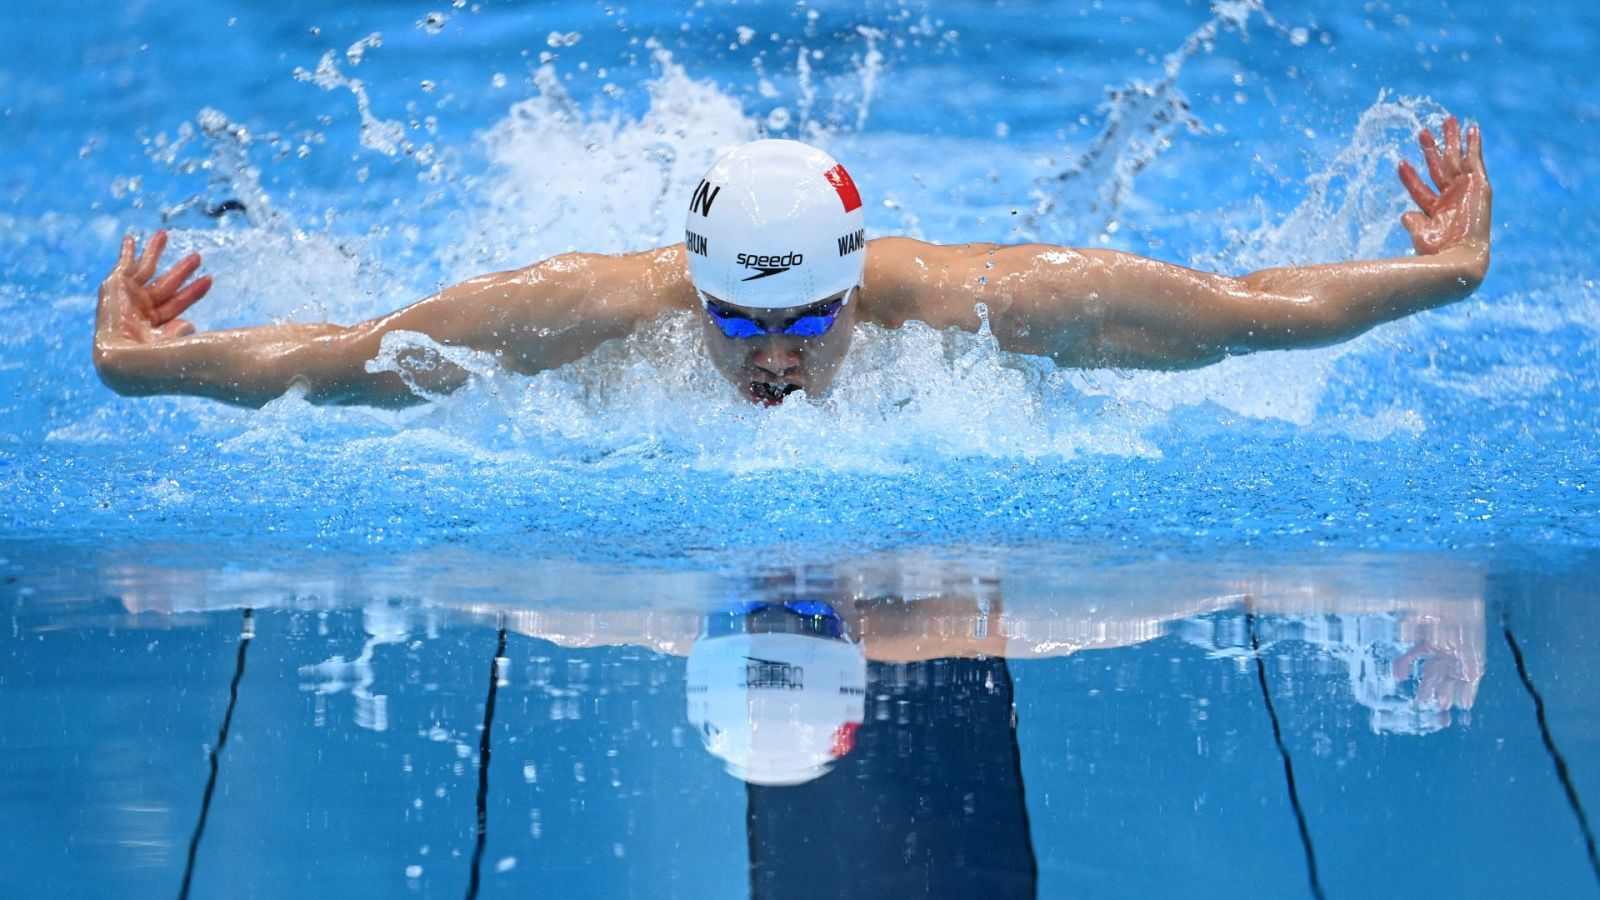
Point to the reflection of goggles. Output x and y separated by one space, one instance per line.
735 325
806 616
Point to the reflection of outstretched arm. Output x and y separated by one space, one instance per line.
955 626
1438 605
1450 650
664 631
889 629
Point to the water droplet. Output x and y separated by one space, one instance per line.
433 22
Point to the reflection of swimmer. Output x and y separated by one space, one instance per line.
777 690
776 262
930 803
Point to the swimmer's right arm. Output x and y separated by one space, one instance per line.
530 319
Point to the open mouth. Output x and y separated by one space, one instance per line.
770 394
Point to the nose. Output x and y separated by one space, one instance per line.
775 357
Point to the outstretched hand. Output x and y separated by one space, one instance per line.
1459 211
138 306
1446 658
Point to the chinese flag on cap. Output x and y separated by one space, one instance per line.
840 179
844 737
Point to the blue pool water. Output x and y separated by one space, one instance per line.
1204 575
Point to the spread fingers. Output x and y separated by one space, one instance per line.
1423 195
1452 146
125 255
166 284
151 257
1434 159
136 296
183 299
1474 160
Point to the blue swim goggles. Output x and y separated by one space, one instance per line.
737 325
810 617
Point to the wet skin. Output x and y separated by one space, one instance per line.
1080 307
768 367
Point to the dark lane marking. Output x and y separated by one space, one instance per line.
1022 788
1562 774
246 632
1288 765
483 763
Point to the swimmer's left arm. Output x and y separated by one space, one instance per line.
1090 308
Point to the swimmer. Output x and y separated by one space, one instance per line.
776 265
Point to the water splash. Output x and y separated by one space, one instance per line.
566 180
385 136
234 183
1141 120
1353 200
563 177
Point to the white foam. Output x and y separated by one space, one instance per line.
561 177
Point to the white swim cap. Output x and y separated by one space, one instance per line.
777 709
775 224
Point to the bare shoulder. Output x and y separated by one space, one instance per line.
615 288
941 284
1079 306
636 286
908 279
545 314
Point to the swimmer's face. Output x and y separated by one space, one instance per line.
768 367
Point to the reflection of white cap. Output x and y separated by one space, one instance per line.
775 224
778 709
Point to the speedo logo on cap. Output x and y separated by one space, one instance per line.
771 673
767 266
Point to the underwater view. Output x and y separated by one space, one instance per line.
973 622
